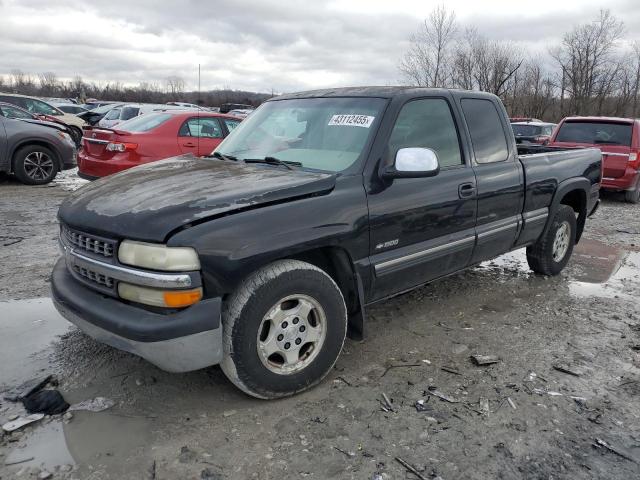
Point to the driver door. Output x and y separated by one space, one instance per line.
200 136
423 228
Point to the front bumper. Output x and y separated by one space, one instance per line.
181 341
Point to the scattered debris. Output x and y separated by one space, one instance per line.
44 475
482 360
386 404
344 380
22 422
568 370
450 370
484 406
512 403
18 462
187 455
399 366
428 362
97 404
49 402
433 391
421 406
348 454
554 394
410 468
229 413
27 388
601 443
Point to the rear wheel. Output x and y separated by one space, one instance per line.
283 329
633 196
35 165
551 253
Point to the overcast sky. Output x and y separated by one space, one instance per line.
260 45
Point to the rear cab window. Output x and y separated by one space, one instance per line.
485 127
595 133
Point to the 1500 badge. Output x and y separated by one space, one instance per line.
390 243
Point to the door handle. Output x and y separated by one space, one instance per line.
466 190
188 144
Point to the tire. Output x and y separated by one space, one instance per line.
35 165
259 322
551 253
76 135
633 196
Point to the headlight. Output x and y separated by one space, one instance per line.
158 257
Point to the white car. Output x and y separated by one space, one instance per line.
240 112
71 108
128 111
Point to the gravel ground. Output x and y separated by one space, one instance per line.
518 418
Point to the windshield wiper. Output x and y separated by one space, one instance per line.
273 161
222 156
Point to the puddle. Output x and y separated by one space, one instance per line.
595 270
27 328
622 283
45 446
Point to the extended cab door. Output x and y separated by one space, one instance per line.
199 135
422 228
499 177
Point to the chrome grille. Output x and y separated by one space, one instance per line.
89 243
94 277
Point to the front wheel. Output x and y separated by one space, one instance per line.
35 165
283 329
551 253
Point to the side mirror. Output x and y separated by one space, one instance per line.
413 163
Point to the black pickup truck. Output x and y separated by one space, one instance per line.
264 255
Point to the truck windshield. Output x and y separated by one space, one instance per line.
597 133
320 133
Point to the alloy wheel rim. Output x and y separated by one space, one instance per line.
561 241
291 334
38 165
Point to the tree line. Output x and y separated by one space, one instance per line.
47 84
591 71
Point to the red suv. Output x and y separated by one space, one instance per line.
619 141
151 137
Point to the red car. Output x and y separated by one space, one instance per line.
619 141
149 138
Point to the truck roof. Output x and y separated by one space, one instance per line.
375 91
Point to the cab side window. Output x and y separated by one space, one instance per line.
201 127
485 127
428 123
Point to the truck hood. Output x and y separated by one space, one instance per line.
151 201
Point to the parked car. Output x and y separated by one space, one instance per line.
619 141
33 152
524 119
47 112
240 112
125 112
93 116
70 108
9 110
149 138
227 107
532 132
318 205
92 103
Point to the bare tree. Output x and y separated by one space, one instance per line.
48 83
175 85
428 61
586 58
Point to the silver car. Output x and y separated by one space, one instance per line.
34 153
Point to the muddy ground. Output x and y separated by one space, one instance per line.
517 419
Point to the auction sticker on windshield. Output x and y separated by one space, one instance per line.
352 120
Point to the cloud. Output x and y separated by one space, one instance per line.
251 44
